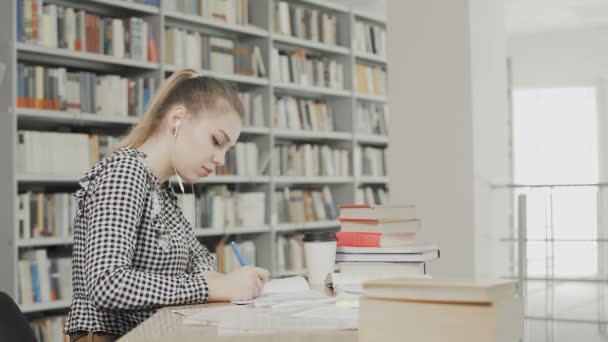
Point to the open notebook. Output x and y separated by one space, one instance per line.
285 305
285 292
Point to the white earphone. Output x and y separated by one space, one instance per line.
179 179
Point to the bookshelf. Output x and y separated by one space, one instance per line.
260 32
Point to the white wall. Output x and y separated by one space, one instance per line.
448 132
559 58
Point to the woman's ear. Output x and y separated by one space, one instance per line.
175 117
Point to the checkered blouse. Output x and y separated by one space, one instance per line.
134 251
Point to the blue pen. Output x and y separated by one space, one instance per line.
235 248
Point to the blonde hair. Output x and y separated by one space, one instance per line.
196 93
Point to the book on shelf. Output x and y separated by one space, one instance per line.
55 26
298 67
185 48
50 328
253 109
46 214
303 114
300 206
227 260
219 207
203 51
49 88
371 80
311 160
373 161
243 160
230 11
221 55
370 38
305 23
372 118
290 253
43 279
53 153
371 195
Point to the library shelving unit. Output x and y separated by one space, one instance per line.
260 32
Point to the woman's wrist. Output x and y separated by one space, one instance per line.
217 291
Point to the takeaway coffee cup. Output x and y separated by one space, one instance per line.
320 255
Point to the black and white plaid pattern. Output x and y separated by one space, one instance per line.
134 251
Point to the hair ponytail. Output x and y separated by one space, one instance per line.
195 93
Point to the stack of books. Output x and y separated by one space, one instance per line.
379 241
433 310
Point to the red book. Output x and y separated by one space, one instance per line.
152 51
87 33
350 239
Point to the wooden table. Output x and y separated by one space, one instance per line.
168 326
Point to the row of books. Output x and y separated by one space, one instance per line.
55 153
253 109
201 51
306 23
230 11
373 161
80 91
50 328
296 66
303 114
43 279
55 26
300 206
371 80
311 160
371 196
219 207
46 214
290 253
370 38
372 118
227 260
242 160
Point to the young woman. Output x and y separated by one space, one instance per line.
134 251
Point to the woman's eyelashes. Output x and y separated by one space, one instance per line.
215 141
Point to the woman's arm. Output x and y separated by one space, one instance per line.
200 258
114 208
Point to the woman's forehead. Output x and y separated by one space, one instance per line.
227 124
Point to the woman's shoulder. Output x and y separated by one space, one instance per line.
125 163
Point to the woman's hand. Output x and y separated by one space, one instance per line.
244 283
